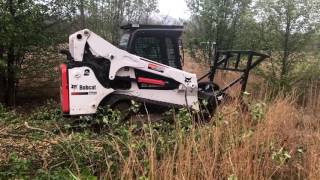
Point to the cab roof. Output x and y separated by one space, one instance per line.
133 27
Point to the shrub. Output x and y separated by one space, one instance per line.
6 115
48 112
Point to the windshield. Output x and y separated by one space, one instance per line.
124 41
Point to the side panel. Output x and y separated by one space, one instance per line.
85 91
178 95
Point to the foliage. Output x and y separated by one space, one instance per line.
48 112
23 28
292 23
77 150
257 112
18 168
215 21
280 156
106 16
29 30
285 29
266 134
6 115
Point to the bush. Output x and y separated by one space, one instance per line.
48 112
302 76
17 168
6 115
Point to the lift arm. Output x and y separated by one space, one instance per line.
119 58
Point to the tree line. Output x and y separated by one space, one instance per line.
286 29
27 26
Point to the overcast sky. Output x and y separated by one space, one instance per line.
175 8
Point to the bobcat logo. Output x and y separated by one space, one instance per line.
187 80
86 72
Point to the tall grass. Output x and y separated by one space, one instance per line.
276 139
281 143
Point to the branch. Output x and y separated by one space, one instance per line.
35 128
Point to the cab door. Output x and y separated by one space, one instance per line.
159 47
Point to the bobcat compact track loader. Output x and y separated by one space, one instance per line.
146 68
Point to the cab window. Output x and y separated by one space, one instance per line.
124 40
171 53
148 47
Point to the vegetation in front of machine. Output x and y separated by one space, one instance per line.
75 146
267 133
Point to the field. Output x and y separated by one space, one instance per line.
276 138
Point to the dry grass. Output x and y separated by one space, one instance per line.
284 144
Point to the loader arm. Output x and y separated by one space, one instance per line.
120 58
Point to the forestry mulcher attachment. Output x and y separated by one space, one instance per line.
145 68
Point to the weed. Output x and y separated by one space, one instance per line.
48 112
16 168
257 112
6 115
232 177
280 156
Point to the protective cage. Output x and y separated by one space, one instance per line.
236 61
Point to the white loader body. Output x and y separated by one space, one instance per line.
85 91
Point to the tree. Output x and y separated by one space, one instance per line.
26 26
217 20
139 11
22 28
292 23
105 16
82 16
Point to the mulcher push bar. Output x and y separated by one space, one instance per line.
237 61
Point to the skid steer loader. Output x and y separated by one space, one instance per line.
146 68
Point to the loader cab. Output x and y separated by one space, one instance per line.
159 43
